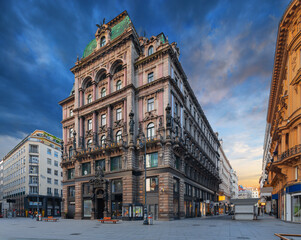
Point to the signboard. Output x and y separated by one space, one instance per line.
221 198
35 203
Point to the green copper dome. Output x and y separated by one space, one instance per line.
90 47
116 31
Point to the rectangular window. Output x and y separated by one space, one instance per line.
49 180
56 172
150 77
152 160
100 163
90 124
103 119
116 163
152 184
71 191
56 192
86 169
49 191
48 151
56 163
33 148
71 173
56 154
49 161
176 109
177 162
176 185
56 182
117 186
33 179
49 170
70 132
71 112
33 159
150 104
118 114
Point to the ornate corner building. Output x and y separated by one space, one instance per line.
131 103
282 148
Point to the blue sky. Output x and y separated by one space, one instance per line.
227 51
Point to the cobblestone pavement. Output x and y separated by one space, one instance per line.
218 227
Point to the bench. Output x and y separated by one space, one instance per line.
108 219
50 219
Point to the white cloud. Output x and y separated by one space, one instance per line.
7 143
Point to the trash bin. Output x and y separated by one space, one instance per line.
150 219
40 217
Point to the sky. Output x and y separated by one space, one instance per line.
227 51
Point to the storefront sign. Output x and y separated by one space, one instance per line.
35 203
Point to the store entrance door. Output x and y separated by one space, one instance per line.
100 207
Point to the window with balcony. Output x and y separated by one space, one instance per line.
150 50
116 163
150 77
86 169
118 85
33 159
89 98
152 184
33 148
150 130
118 136
152 160
103 92
71 173
33 190
103 119
102 41
33 180
118 114
150 104
89 124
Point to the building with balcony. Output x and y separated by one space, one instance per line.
32 177
283 164
131 96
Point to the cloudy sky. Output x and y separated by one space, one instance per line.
227 50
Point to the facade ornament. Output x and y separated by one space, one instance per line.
131 123
74 140
160 122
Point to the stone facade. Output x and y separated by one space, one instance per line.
131 96
282 159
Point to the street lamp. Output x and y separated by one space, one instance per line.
141 143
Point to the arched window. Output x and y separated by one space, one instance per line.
118 85
118 136
102 77
89 99
151 130
102 41
103 140
89 143
70 152
103 92
118 69
89 84
150 50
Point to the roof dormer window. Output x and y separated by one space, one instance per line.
102 41
150 50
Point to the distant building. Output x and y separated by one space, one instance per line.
234 184
32 176
1 186
282 147
131 95
226 184
244 192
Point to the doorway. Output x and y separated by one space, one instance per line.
100 207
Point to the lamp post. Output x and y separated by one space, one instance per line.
141 142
